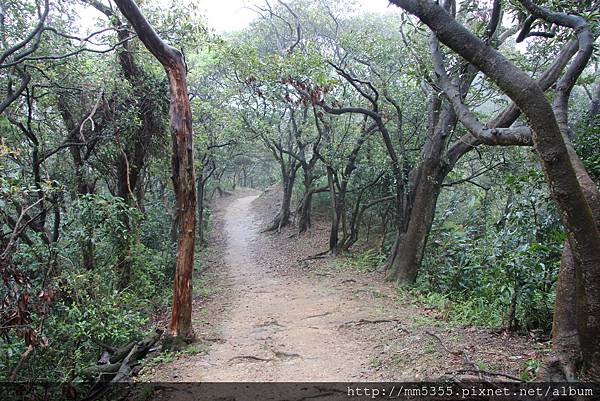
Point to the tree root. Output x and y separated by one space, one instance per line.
473 367
320 255
251 358
276 224
360 322
461 353
317 315
559 370
488 373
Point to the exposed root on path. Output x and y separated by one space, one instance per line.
317 315
320 255
250 358
360 322
488 373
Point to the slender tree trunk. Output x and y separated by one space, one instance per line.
286 201
182 164
200 198
185 195
352 236
304 221
510 323
335 217
357 216
282 218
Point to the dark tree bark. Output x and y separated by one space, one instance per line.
308 166
549 143
335 208
425 183
289 167
288 179
182 163
304 211
407 253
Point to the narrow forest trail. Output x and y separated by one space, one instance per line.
315 324
275 328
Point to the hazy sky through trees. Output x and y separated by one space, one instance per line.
231 15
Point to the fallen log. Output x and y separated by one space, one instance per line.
121 363
121 353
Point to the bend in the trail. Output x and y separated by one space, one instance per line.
318 324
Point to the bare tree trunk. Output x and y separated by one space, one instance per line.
408 253
565 338
335 216
304 221
182 163
286 201
200 200
288 175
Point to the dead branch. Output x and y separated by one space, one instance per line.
488 373
462 353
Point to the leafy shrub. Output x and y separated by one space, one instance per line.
89 306
501 269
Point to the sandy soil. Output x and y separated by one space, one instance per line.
273 318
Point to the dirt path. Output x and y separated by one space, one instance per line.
270 319
275 328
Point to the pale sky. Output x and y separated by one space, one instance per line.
231 15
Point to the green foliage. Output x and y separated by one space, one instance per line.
89 305
587 144
163 357
374 362
456 308
530 369
487 265
369 260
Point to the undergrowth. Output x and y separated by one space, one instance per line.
456 308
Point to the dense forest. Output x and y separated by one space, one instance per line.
451 149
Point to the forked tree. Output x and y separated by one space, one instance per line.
576 200
182 161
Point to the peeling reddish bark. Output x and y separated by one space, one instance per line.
182 161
